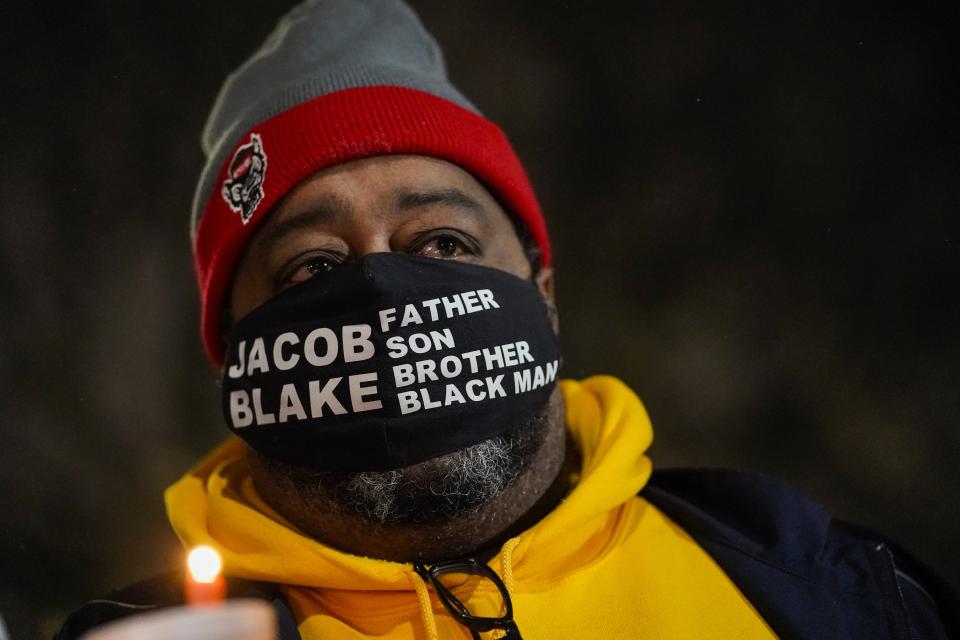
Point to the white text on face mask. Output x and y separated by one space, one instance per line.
477 389
246 408
427 369
442 308
320 348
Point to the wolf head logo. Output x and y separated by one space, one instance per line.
243 188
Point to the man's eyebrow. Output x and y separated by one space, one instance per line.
406 200
327 209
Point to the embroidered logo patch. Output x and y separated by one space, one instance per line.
243 188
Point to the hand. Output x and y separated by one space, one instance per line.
241 619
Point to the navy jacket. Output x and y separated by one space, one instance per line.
809 576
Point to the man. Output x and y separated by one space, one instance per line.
377 288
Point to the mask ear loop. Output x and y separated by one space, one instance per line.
225 326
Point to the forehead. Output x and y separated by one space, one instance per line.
371 185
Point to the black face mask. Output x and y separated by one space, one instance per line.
389 361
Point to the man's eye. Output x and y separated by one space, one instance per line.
445 246
308 268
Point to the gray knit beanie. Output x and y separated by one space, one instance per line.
336 80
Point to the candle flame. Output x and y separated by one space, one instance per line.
204 564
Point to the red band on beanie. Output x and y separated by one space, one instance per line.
342 126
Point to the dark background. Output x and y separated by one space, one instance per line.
754 210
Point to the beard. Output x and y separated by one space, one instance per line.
441 488
428 493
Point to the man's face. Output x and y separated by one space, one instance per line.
419 206
407 204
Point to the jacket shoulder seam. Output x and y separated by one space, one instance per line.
777 566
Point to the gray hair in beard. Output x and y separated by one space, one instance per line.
439 489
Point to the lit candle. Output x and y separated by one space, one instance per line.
204 584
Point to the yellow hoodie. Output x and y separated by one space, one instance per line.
604 564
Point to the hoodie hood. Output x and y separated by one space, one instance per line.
216 504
